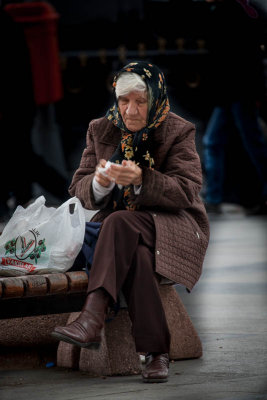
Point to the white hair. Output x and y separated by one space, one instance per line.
129 82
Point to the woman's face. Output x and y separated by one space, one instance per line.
134 109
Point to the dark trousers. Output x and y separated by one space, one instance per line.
124 261
220 127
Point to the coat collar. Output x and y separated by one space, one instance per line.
160 132
110 134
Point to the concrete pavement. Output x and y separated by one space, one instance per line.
228 309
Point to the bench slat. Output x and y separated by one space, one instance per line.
57 283
43 285
78 281
12 287
35 285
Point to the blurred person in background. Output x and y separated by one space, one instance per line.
17 111
154 225
237 87
20 166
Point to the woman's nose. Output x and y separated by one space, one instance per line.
131 109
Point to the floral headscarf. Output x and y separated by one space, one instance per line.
137 146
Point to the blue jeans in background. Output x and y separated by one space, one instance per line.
241 116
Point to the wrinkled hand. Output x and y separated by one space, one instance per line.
100 178
125 174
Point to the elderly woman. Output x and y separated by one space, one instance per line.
154 225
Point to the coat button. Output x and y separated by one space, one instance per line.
197 235
158 252
154 215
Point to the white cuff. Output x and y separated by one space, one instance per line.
100 191
137 189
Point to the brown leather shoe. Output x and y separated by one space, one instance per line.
85 331
156 369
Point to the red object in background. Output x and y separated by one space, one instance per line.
39 20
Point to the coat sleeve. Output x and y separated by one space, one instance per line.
177 183
81 185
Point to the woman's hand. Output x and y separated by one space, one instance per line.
100 178
125 174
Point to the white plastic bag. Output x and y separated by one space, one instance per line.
40 239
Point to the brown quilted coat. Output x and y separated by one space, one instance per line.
170 192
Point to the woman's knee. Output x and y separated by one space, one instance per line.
117 216
130 225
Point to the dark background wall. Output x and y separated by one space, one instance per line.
97 37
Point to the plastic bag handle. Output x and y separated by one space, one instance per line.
72 208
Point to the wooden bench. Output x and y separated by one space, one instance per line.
38 295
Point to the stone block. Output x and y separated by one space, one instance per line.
68 355
27 342
185 342
117 354
30 331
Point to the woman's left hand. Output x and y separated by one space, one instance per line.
126 174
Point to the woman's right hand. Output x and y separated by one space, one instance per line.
100 178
